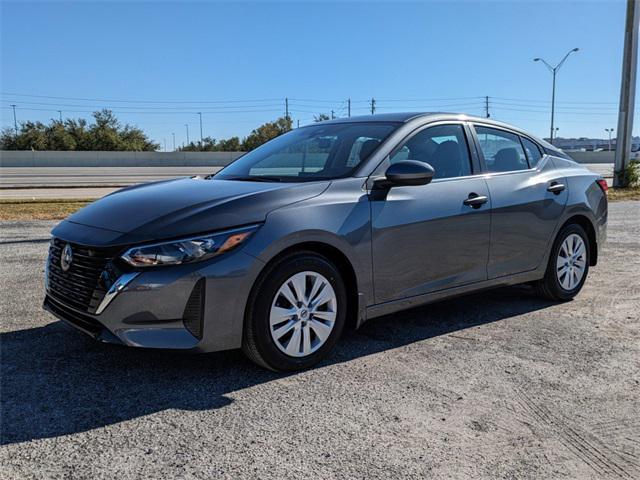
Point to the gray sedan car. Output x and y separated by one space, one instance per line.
323 228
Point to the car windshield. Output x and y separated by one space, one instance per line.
317 152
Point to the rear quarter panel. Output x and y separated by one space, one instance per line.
586 198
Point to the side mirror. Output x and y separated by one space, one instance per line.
406 173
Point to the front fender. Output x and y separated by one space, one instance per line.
339 218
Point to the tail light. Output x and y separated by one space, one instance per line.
602 183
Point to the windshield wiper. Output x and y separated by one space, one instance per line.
257 178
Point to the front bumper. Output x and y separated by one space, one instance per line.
197 306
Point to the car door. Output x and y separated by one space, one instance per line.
431 237
527 199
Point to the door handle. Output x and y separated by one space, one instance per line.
474 200
556 187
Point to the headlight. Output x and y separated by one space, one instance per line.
188 250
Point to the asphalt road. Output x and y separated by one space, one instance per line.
494 385
94 182
93 176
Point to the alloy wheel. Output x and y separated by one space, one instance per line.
303 314
571 262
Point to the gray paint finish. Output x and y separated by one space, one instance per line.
426 239
407 246
524 215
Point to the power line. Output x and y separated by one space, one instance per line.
262 100
545 106
548 101
428 99
223 107
141 101
155 112
546 111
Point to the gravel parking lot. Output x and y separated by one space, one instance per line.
494 385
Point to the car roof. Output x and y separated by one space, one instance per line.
405 117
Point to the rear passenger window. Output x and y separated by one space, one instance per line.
532 150
502 150
444 147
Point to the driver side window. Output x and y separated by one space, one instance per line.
444 147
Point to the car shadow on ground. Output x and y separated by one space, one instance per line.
55 381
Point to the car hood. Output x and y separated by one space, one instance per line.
180 207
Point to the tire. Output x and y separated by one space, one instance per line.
309 336
556 286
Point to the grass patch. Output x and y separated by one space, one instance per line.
619 194
39 209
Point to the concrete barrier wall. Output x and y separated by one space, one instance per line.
591 157
10 158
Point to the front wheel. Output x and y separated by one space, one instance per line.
296 313
568 265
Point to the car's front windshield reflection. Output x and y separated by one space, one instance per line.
311 153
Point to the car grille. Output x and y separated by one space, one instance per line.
83 322
85 283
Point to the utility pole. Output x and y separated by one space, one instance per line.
332 115
627 93
554 71
15 122
298 123
609 131
165 143
286 108
348 107
373 106
187 125
200 113
174 141
486 107
60 112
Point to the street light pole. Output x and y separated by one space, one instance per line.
187 125
200 113
554 71
609 131
15 122
174 141
60 112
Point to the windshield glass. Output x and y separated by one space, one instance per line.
310 153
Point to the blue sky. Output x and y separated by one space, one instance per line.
158 63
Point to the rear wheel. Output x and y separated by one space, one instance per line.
568 265
296 313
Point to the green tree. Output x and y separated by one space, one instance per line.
266 132
209 144
33 136
105 134
321 117
232 144
58 138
